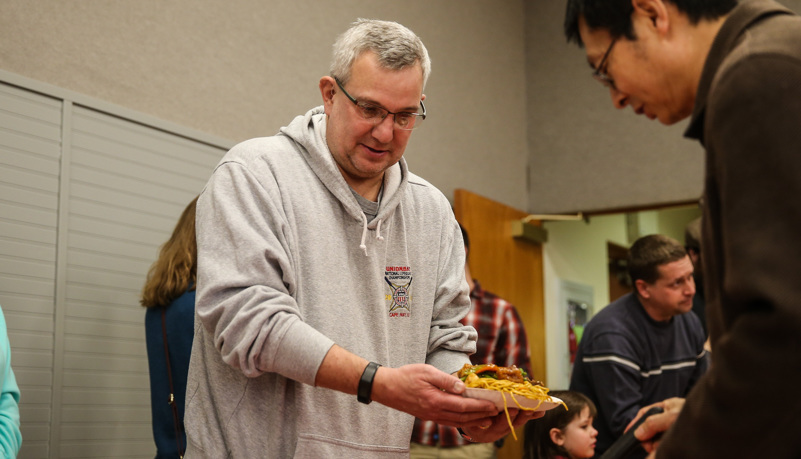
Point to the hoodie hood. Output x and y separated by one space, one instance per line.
309 131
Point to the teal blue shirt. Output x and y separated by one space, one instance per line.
10 436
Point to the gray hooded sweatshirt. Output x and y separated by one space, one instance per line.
287 266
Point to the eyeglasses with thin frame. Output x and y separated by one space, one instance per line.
600 71
376 113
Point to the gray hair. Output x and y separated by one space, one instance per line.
396 47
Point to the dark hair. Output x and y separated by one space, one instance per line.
537 441
464 236
692 235
615 15
649 252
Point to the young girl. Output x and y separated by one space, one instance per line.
563 434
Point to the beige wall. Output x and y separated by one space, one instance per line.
584 154
514 114
244 68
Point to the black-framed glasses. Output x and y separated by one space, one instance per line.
600 71
376 113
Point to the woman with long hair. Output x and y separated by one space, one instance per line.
169 296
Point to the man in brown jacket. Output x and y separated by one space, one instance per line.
736 70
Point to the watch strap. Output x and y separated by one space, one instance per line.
366 383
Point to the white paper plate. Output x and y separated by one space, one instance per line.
497 397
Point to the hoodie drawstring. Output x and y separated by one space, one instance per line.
378 232
378 236
363 246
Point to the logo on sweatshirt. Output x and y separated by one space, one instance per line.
399 294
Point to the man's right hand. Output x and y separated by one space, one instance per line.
657 423
430 394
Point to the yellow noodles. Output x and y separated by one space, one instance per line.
526 389
508 419
504 386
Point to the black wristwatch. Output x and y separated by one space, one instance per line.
366 383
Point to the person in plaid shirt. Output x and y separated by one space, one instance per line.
502 341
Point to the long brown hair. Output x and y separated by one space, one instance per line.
175 271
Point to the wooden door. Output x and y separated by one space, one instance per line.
510 268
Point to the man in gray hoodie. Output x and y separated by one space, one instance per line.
326 270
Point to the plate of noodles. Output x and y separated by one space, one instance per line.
507 387
513 400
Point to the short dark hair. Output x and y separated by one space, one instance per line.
692 235
650 252
537 441
615 15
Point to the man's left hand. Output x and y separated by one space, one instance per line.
490 429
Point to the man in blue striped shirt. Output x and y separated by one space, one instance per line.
644 347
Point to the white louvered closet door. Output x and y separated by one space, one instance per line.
86 199
30 149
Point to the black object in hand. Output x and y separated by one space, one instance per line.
626 444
